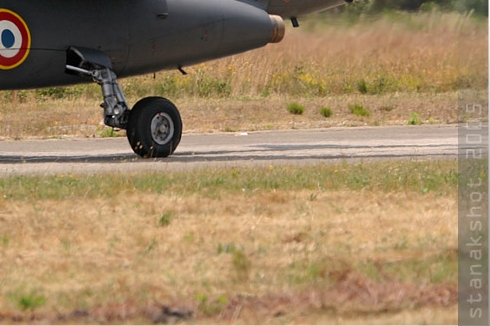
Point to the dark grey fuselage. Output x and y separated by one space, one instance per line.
139 36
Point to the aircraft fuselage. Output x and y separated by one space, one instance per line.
138 36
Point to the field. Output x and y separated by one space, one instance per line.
363 243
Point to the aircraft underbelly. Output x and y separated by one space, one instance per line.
195 31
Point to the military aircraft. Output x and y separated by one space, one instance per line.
46 43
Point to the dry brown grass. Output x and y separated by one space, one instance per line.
82 118
327 257
419 53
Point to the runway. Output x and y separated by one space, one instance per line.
102 155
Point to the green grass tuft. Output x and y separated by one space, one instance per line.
295 108
28 301
414 119
326 112
165 219
362 86
359 110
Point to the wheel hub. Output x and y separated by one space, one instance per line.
162 128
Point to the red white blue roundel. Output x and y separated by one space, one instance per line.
15 39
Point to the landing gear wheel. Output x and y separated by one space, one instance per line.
154 127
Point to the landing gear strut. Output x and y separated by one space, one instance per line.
153 126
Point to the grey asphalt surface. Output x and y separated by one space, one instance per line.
101 155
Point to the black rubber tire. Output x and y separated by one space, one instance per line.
147 114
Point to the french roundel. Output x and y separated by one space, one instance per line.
15 39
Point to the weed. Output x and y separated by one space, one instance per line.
326 112
230 129
439 268
66 244
313 197
151 246
414 119
227 248
241 265
201 298
54 92
169 85
362 86
358 110
265 92
107 132
29 301
209 86
189 237
316 271
402 245
380 85
210 307
295 108
5 240
165 219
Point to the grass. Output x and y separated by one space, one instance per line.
295 108
274 245
29 301
326 112
414 119
165 219
420 177
82 117
358 110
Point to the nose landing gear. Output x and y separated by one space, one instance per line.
153 126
